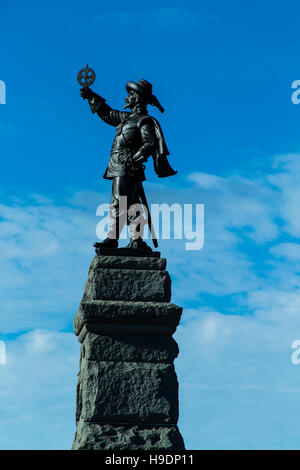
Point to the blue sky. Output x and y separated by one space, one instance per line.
223 72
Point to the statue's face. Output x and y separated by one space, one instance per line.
130 100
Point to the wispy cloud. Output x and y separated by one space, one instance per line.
240 295
243 381
37 393
44 255
238 387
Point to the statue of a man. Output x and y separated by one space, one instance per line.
138 136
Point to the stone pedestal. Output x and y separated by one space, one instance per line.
127 391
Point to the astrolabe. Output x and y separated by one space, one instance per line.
86 77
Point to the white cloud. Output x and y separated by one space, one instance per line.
44 256
37 393
206 181
286 181
288 251
238 387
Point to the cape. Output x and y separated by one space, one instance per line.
162 166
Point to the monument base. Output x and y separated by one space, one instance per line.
95 436
127 390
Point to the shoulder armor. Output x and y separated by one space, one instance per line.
143 119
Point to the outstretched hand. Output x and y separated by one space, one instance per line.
86 93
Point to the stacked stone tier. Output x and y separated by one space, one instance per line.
127 392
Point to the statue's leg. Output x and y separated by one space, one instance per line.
136 220
117 213
118 207
125 196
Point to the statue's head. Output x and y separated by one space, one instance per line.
140 93
133 100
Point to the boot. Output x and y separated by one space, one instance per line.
113 233
107 243
138 244
136 230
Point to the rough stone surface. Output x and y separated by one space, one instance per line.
91 436
128 284
126 348
115 329
129 262
123 251
129 392
126 313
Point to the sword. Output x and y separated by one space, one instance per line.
145 203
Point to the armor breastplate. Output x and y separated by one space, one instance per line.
127 142
127 135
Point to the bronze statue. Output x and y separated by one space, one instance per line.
138 136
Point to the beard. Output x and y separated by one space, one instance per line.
131 102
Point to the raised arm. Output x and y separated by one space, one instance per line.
98 105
